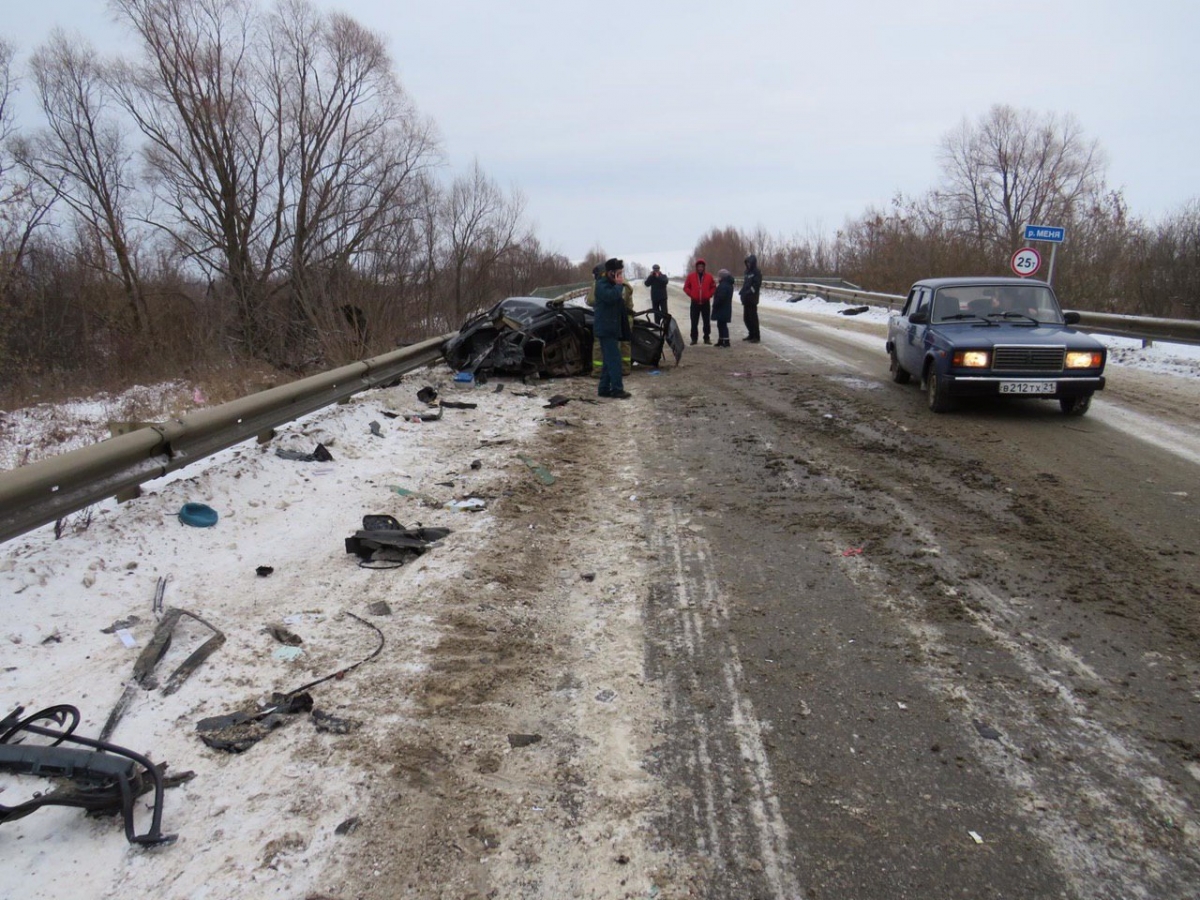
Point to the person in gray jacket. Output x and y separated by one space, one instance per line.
751 287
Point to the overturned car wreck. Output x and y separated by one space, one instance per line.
532 336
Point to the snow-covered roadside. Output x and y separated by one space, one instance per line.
260 824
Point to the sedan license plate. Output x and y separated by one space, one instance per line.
1028 387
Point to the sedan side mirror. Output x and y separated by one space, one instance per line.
1071 318
920 317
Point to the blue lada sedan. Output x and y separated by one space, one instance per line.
986 337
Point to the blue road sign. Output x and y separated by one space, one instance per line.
1051 233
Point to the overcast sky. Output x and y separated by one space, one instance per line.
639 125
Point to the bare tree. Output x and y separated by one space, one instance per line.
1015 167
24 203
196 98
481 226
350 145
82 155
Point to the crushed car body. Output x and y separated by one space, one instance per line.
531 336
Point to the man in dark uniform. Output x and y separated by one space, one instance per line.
609 326
751 287
657 282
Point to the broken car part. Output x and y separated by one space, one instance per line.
143 667
105 778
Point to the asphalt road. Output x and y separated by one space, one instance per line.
911 655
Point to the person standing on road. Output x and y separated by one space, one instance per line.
700 286
610 325
597 360
751 287
657 282
722 306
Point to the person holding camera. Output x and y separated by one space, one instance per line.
657 282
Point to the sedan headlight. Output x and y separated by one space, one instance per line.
972 359
1084 359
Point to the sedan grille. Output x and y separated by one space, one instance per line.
1029 359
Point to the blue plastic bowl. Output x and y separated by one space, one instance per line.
198 515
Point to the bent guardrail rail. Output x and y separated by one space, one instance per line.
1144 328
42 492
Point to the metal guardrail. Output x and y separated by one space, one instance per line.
45 491
1144 328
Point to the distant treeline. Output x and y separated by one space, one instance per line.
239 184
1009 169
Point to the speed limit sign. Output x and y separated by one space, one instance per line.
1026 262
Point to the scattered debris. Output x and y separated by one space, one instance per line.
853 551
975 836
427 394
54 638
264 571
853 311
350 826
198 515
405 492
556 401
476 464
106 779
126 637
471 504
542 473
288 654
332 724
160 590
387 413
283 634
143 667
121 623
464 377
523 740
606 696
588 576
379 608
376 428
432 415
498 389
238 731
391 543
458 404
987 732
319 454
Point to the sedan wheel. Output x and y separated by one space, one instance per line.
939 398
899 375
1075 406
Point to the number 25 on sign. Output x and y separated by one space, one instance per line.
1026 262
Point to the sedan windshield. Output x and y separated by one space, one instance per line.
996 302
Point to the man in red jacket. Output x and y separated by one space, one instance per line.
700 286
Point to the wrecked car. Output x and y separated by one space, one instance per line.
532 336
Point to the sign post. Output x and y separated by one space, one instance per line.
1051 234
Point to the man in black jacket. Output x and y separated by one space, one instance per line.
657 282
751 286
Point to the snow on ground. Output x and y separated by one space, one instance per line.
59 595
1163 357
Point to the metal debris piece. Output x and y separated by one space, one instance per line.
319 454
121 623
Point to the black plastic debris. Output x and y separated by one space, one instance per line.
379 608
104 779
264 571
119 624
427 394
319 454
476 464
558 400
383 541
283 634
523 740
238 732
332 724
387 413
458 404
376 429
350 826
853 311
987 732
